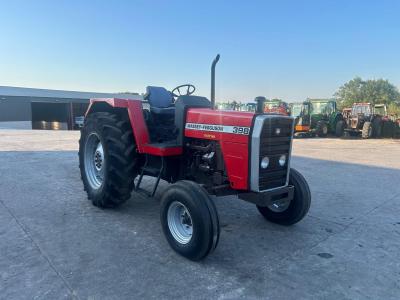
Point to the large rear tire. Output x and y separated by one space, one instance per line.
107 158
396 130
366 132
339 129
294 211
189 220
388 128
377 126
322 129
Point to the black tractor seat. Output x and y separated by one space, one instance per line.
161 101
167 121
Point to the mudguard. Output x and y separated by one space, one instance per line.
135 113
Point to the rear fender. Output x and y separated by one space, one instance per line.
135 113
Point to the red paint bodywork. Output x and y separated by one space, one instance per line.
235 147
277 110
139 127
281 108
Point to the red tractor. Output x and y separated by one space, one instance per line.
200 151
371 120
273 106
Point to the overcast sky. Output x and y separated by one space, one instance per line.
286 49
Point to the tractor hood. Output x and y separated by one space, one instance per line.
221 124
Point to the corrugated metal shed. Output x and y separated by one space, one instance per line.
54 94
20 104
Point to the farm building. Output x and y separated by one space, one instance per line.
29 108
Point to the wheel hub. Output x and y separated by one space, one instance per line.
186 220
180 222
99 157
94 161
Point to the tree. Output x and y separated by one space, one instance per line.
372 91
394 109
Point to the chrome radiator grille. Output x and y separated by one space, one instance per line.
272 139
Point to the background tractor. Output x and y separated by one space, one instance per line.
371 121
251 106
317 117
396 133
272 106
182 139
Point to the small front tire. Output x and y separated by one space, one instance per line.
295 211
189 220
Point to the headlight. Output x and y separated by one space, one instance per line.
282 160
265 162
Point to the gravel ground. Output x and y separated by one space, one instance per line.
54 244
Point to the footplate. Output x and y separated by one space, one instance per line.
269 197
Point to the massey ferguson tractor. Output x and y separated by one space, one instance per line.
200 151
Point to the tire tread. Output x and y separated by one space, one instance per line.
116 132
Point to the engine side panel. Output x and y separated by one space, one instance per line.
232 131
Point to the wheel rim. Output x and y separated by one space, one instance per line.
180 222
279 205
94 161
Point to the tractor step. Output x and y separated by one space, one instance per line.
151 171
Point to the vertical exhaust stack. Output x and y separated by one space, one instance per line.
213 81
260 100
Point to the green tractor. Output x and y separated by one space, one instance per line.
317 117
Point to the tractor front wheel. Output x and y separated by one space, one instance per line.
107 158
290 212
189 220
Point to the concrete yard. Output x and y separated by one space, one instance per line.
54 244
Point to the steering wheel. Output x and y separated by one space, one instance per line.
176 92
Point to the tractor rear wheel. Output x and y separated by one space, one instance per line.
189 220
388 128
107 158
377 125
339 129
289 213
366 132
322 129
